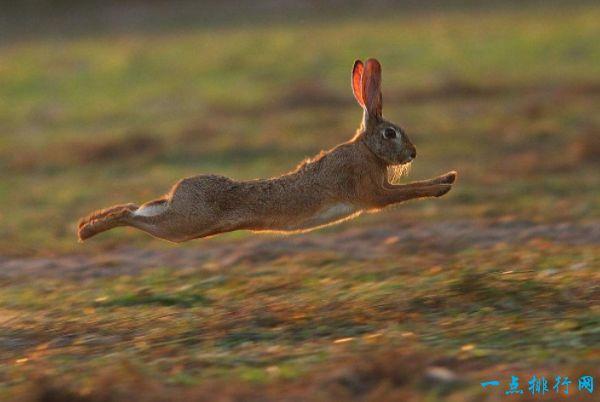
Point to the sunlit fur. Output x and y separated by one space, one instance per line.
356 176
395 172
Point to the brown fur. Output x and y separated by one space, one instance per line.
335 185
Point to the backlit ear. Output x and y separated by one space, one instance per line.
371 88
357 72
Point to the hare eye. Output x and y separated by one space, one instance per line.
389 133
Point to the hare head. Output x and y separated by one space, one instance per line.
385 139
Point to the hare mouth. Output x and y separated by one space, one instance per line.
395 172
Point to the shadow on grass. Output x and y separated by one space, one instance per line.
187 300
473 290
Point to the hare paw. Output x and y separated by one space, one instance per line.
447 178
442 189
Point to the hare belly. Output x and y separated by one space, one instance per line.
330 214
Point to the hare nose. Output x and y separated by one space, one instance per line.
413 153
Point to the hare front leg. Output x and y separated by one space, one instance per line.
447 178
407 192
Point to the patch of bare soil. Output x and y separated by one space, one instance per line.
80 152
356 243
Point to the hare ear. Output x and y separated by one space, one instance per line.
371 88
357 73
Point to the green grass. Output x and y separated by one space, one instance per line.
508 97
241 322
222 100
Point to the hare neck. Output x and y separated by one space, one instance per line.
368 152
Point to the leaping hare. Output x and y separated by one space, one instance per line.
335 185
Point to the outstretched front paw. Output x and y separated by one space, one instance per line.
447 178
442 189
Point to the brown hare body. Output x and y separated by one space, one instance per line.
336 185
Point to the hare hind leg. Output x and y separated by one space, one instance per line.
158 219
166 220
155 218
103 220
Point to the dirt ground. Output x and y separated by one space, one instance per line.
361 244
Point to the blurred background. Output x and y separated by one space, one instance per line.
106 102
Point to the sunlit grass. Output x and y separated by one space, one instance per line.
507 98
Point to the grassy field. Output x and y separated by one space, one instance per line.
496 278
